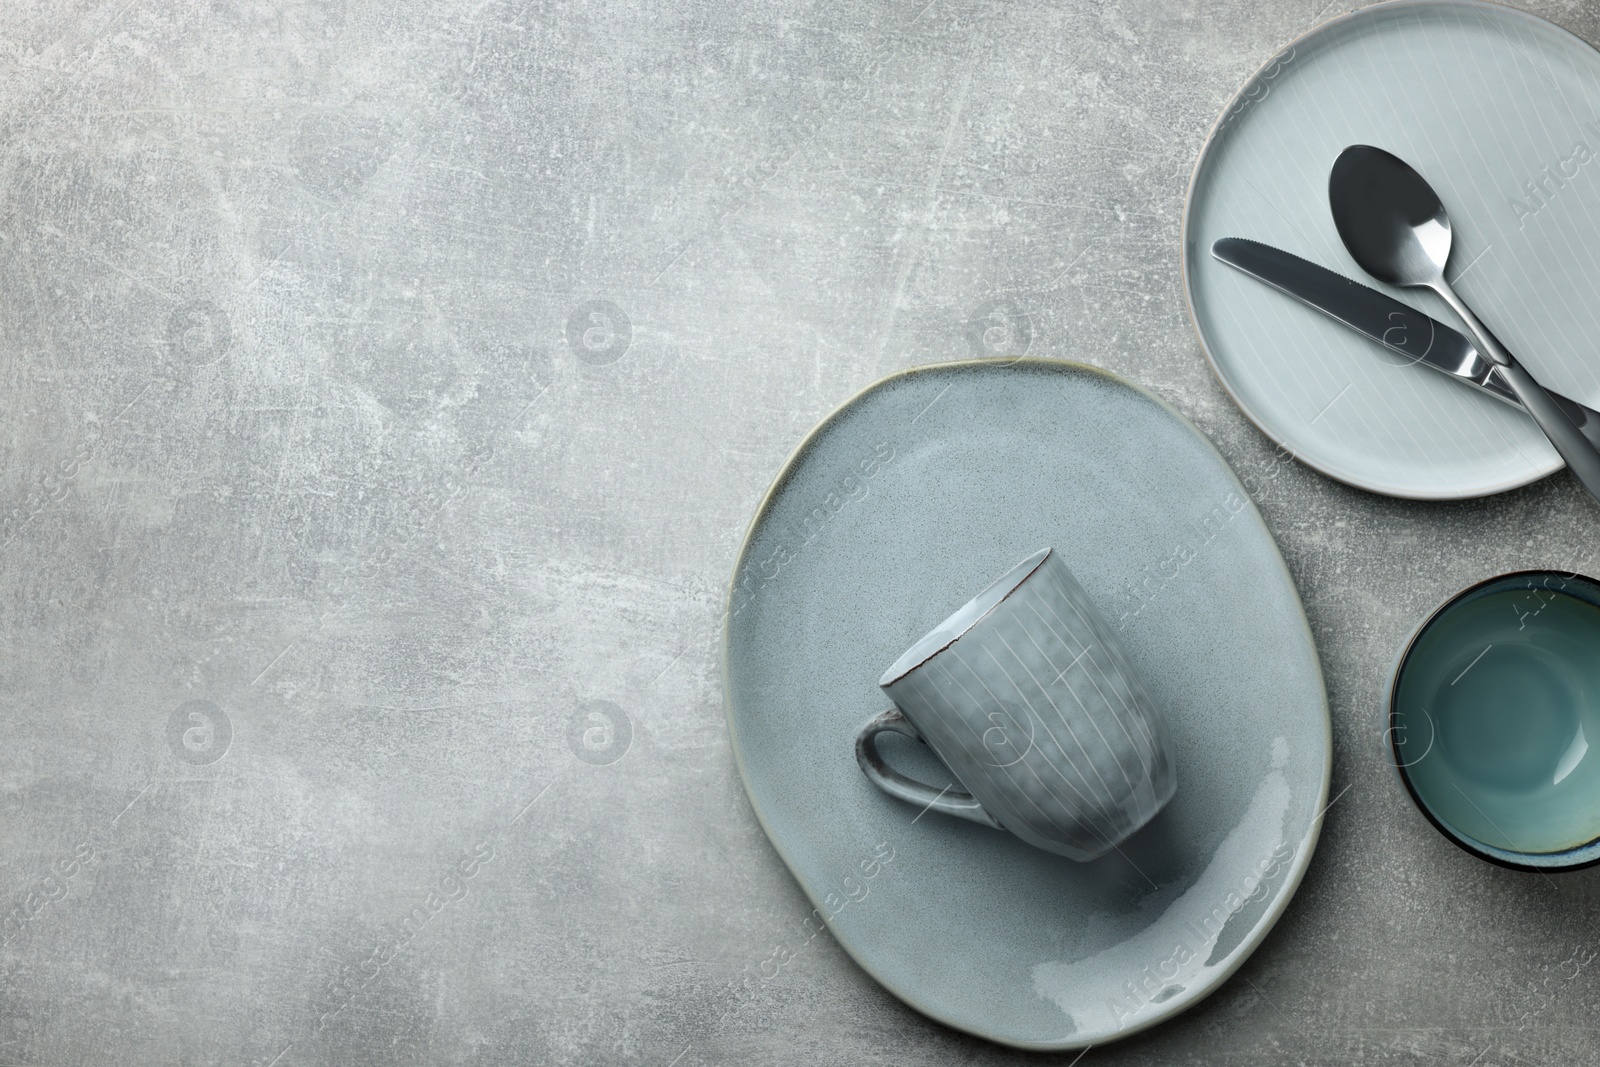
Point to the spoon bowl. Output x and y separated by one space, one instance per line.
1389 217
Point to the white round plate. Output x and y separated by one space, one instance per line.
1500 112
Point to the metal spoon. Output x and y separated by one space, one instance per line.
1396 229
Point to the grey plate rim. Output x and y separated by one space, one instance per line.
1345 477
1299 865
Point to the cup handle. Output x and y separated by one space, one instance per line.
891 781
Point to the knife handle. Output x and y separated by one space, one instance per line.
1582 454
1565 430
1586 419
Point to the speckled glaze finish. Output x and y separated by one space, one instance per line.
904 500
1033 706
1496 109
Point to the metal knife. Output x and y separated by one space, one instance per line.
1395 326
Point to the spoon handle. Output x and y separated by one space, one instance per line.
1582 457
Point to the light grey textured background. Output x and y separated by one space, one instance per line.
387 386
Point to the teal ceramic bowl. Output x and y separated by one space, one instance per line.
1494 720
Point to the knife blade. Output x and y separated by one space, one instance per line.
1381 318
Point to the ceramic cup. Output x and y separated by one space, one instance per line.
1031 702
1494 720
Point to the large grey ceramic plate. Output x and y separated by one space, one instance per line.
1486 103
904 503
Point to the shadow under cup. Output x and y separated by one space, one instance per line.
1494 720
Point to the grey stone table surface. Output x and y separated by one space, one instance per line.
386 388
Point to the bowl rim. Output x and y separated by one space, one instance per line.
1579 856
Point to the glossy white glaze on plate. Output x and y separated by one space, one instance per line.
898 508
1500 112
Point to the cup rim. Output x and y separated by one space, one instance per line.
916 656
1575 858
